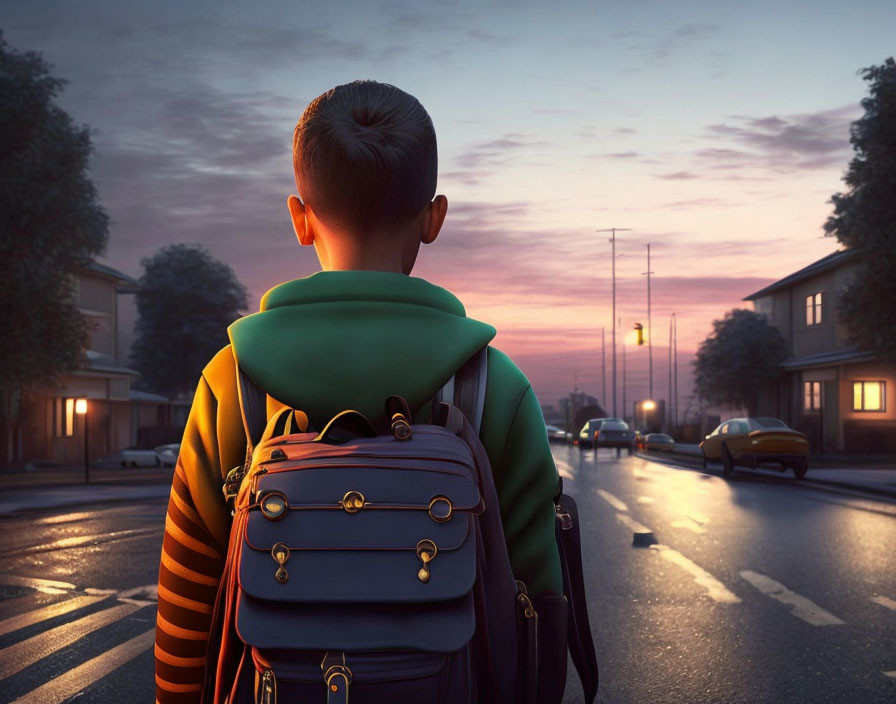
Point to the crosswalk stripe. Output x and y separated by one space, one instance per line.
715 590
803 608
884 601
612 500
68 684
50 586
16 658
63 607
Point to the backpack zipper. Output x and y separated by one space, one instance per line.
268 689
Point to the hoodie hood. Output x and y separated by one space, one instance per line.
341 340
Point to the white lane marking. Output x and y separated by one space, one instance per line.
640 475
632 524
715 590
690 525
612 500
65 518
31 617
698 517
884 601
48 586
891 673
801 607
17 657
70 683
564 469
100 592
645 499
149 594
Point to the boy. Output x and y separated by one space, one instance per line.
361 329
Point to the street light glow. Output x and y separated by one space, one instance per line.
649 405
81 406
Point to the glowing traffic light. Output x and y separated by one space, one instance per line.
640 330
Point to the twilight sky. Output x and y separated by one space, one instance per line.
716 130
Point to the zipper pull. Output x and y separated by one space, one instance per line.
268 688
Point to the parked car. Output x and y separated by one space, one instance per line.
613 432
132 457
586 435
167 454
556 434
749 442
660 442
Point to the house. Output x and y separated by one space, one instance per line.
48 429
835 393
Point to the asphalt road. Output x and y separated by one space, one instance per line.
759 589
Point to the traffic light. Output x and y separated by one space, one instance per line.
640 330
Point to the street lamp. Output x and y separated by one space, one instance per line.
81 410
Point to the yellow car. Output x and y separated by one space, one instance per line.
749 442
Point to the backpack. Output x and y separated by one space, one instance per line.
370 562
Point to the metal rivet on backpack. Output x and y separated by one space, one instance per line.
278 454
440 509
401 429
274 505
352 502
426 551
281 554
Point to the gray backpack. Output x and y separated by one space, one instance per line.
368 564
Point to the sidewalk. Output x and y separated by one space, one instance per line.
870 474
62 486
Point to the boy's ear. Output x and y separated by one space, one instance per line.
435 216
297 213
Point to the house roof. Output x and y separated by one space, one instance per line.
824 264
851 355
99 362
137 395
110 273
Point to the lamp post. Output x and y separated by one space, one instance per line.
81 410
614 230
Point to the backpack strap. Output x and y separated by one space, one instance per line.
253 408
466 388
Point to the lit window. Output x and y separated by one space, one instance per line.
64 417
869 396
813 309
811 395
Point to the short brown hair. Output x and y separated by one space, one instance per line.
365 155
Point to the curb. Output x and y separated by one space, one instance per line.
695 462
36 501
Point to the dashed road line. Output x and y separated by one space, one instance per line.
564 469
29 619
891 673
803 608
632 524
690 524
612 500
884 601
17 657
645 499
714 589
68 684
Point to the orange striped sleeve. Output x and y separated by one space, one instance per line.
192 557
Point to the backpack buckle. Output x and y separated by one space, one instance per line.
232 484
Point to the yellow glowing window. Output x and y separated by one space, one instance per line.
64 417
869 396
811 395
813 309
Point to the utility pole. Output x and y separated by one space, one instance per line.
675 364
649 331
669 403
603 368
624 400
614 230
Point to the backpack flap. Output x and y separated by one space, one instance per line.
369 544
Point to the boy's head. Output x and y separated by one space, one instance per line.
365 165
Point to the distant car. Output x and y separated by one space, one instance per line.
586 435
132 457
167 454
659 441
749 442
556 434
640 440
613 432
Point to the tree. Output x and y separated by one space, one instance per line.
185 302
50 223
864 219
742 354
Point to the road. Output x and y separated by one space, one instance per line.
758 589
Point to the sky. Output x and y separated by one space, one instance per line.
714 131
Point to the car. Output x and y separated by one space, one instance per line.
640 440
133 457
749 442
613 432
167 454
556 434
586 435
660 442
